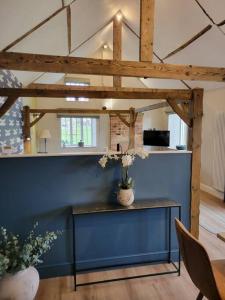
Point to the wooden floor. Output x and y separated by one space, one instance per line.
212 221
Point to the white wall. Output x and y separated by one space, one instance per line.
214 102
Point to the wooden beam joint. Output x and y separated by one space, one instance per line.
37 119
122 119
181 113
7 105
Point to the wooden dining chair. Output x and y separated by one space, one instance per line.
208 276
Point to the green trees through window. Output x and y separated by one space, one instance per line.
79 129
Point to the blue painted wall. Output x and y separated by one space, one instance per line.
44 188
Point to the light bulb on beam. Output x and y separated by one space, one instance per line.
119 16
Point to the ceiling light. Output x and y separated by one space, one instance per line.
119 16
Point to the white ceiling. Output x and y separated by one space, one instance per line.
176 21
215 8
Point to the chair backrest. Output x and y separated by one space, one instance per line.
197 263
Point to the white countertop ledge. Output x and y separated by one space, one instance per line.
84 154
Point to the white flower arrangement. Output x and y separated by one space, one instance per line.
17 254
127 159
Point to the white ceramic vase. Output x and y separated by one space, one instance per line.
22 285
125 197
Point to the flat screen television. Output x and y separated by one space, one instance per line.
156 138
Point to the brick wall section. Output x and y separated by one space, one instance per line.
119 132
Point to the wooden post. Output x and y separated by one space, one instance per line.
196 159
69 35
26 130
117 45
7 105
132 128
147 8
189 139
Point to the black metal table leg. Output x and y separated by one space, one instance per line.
179 257
169 228
74 255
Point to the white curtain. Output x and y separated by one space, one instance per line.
219 153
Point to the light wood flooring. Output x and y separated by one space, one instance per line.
166 287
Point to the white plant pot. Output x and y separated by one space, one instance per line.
22 285
125 197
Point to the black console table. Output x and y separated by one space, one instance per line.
138 205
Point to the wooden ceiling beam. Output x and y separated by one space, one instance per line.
37 119
62 91
77 111
189 42
74 65
152 107
117 45
69 31
122 119
182 114
7 104
147 11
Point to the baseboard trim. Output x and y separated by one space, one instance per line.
210 190
66 269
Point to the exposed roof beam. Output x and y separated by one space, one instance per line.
154 53
7 104
81 44
204 11
122 119
147 11
73 65
185 45
221 23
182 114
117 45
69 34
61 91
41 115
152 107
77 111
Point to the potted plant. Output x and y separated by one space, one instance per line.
125 195
19 279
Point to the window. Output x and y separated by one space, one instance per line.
178 131
78 129
77 82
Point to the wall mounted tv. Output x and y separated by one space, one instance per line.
156 138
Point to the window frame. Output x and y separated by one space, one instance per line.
96 118
183 130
